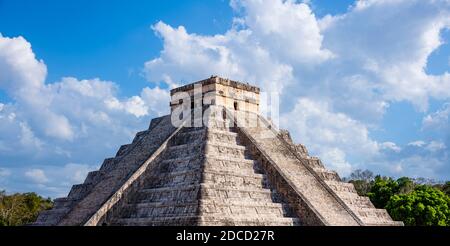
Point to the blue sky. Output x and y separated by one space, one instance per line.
364 84
114 32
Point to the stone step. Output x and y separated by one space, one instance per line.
249 221
123 149
173 179
183 163
206 207
93 177
221 125
326 174
215 201
221 136
225 145
354 200
50 217
193 192
208 220
189 177
225 165
222 149
341 186
163 194
223 132
385 223
62 210
188 129
314 162
140 135
189 136
247 170
374 216
62 202
233 150
192 131
154 122
108 165
183 150
162 221
229 161
233 179
219 191
79 191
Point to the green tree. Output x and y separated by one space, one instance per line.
425 206
362 180
446 188
382 190
405 185
19 209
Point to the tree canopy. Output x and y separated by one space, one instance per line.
416 201
424 206
20 209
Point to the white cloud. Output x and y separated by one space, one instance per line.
439 119
391 42
434 146
37 176
19 68
59 109
69 174
390 146
157 100
286 28
27 137
336 160
235 55
418 143
418 166
55 181
65 121
328 134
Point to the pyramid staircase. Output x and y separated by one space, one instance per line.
204 177
334 201
219 174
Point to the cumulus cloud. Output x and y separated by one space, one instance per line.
328 134
234 54
59 109
23 76
439 119
434 146
70 120
390 42
19 67
286 28
390 146
157 100
418 143
37 176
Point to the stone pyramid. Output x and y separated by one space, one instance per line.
228 166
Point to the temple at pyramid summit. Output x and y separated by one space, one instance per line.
214 160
